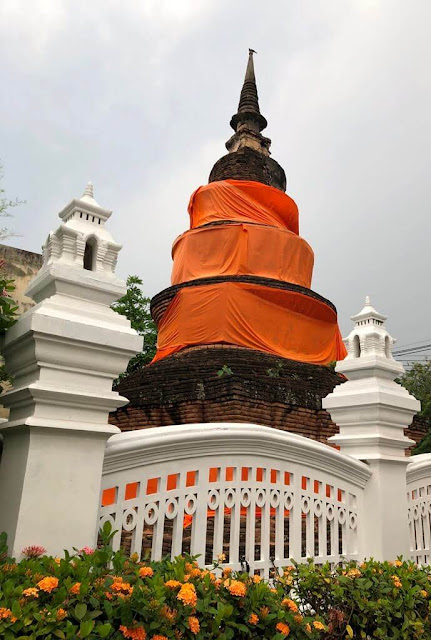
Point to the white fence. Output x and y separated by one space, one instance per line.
419 508
260 496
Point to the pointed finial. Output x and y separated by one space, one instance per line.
88 190
367 300
248 107
88 195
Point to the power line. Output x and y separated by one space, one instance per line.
401 352
412 344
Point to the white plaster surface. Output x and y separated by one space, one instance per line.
64 354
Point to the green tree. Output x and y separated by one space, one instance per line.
136 307
417 380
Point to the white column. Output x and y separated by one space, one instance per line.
64 354
372 411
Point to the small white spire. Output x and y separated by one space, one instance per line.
88 190
88 195
367 298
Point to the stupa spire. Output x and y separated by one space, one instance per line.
248 157
248 107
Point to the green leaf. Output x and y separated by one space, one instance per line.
104 630
349 631
86 628
80 610
16 609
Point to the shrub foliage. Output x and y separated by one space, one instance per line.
102 594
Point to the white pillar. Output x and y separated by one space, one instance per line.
372 411
64 354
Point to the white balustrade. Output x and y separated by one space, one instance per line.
419 508
258 495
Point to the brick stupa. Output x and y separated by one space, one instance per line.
242 337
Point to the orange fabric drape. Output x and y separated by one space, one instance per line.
243 201
188 520
282 322
242 249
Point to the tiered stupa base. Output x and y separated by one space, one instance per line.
195 385
187 388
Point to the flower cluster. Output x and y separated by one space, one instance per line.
108 595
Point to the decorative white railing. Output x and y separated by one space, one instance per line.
419 507
258 495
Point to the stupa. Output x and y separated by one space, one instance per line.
241 335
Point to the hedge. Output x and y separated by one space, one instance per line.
101 594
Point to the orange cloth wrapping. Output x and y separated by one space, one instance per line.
243 201
285 323
242 249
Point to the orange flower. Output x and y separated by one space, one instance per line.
159 638
61 614
187 594
135 633
6 613
194 625
257 579
287 602
172 584
298 618
74 589
319 625
195 573
226 572
283 628
31 592
169 614
217 583
308 628
264 612
236 588
354 573
48 584
424 593
253 619
146 572
398 563
119 585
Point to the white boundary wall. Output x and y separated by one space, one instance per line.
255 493
419 507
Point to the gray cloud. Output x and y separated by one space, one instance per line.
137 96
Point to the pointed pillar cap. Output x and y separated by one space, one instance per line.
88 195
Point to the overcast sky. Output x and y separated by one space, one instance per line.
137 96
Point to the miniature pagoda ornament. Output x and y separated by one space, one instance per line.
64 354
371 409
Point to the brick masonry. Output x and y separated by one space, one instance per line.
262 389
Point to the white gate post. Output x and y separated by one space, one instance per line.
372 411
64 354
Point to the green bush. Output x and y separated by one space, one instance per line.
101 594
